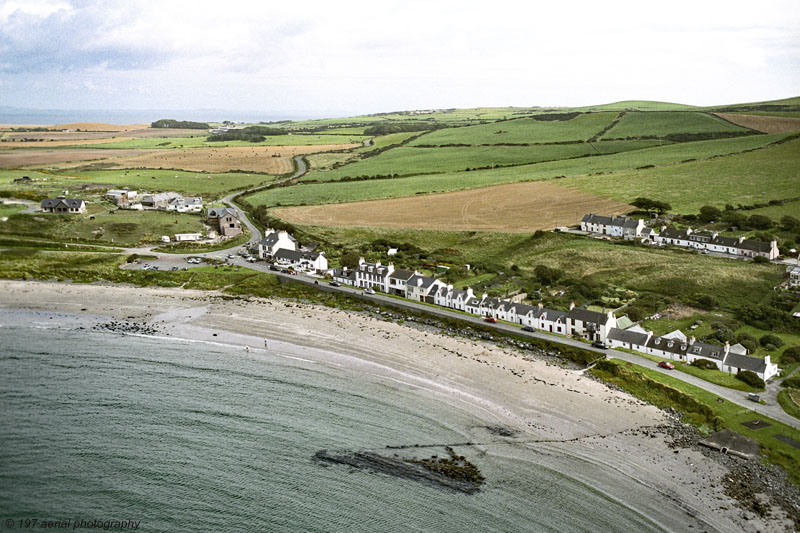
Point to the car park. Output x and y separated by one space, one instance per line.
664 364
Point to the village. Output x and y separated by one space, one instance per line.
601 329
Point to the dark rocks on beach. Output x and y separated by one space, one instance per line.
453 472
124 327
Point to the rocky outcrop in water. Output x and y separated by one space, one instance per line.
124 327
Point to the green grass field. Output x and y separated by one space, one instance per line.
124 228
416 160
521 131
790 401
749 178
637 105
296 139
323 193
660 123
775 212
10 209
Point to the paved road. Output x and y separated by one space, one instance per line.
773 410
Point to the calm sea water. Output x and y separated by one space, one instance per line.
194 437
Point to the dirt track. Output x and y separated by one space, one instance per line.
518 207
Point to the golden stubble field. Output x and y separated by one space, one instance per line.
517 207
265 159
52 158
763 124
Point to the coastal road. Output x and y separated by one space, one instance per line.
736 397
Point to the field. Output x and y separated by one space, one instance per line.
268 160
521 131
416 160
123 228
44 158
520 207
199 141
321 193
661 123
749 178
775 212
191 183
762 123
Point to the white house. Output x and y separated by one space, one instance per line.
713 242
398 279
373 275
300 260
618 226
158 200
625 338
189 204
273 241
64 205
421 288
591 325
552 321
793 276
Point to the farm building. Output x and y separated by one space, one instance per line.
158 200
621 226
188 204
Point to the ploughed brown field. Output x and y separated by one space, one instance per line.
47 139
517 207
266 159
762 123
35 157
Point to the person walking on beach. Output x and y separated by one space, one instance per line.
246 348
265 343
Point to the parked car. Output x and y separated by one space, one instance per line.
273 267
664 364
231 256
251 259
174 268
490 319
335 284
369 290
528 328
599 344
753 397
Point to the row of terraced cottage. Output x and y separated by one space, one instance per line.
706 241
577 322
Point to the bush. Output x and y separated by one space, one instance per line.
770 347
776 341
760 259
792 382
791 355
707 302
746 337
751 378
704 364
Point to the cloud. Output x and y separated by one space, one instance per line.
412 53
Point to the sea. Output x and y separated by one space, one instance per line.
188 436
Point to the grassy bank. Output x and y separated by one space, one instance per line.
702 409
790 401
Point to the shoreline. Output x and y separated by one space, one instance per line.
617 443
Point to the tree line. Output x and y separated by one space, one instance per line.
181 124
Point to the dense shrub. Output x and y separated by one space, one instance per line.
547 275
704 364
792 382
791 355
746 337
751 378
707 302
760 222
709 213
770 347
771 339
760 259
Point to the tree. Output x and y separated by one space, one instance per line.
649 205
760 222
547 275
790 223
350 260
709 213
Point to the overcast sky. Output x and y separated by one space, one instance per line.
360 57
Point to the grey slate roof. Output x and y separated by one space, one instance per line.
707 351
218 212
71 203
755 246
427 281
401 274
670 233
522 309
667 345
296 255
585 315
273 237
552 315
628 337
745 362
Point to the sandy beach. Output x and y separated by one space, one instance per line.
614 442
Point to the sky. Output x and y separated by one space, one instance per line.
336 58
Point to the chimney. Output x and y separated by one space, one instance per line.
449 287
688 231
766 360
571 306
361 261
541 305
484 296
741 239
691 340
727 347
377 264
